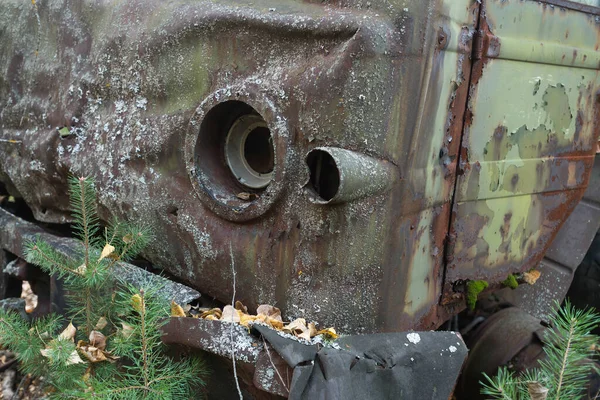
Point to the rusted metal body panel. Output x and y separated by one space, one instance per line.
141 94
135 81
529 139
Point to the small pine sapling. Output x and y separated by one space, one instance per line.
569 346
127 362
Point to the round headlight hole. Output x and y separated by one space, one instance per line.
249 151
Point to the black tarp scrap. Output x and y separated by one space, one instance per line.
408 365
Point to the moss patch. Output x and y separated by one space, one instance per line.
511 282
473 290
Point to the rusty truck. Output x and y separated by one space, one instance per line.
358 162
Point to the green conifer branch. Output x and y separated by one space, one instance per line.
564 373
91 287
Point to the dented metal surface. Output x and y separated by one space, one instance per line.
134 83
529 139
141 95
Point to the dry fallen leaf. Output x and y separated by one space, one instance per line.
81 269
247 196
537 391
211 317
176 310
275 323
241 307
215 312
532 276
329 333
106 251
128 238
74 358
93 353
98 340
68 333
296 327
246 319
312 330
230 314
101 324
269 311
127 330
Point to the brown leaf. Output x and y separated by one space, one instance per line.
68 333
230 314
269 311
537 391
296 327
176 310
106 251
98 340
128 238
93 353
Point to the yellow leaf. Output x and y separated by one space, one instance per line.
176 310
211 317
246 319
136 303
241 307
275 323
215 312
68 333
532 276
81 269
128 238
328 333
106 251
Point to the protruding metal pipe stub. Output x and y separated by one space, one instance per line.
339 175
